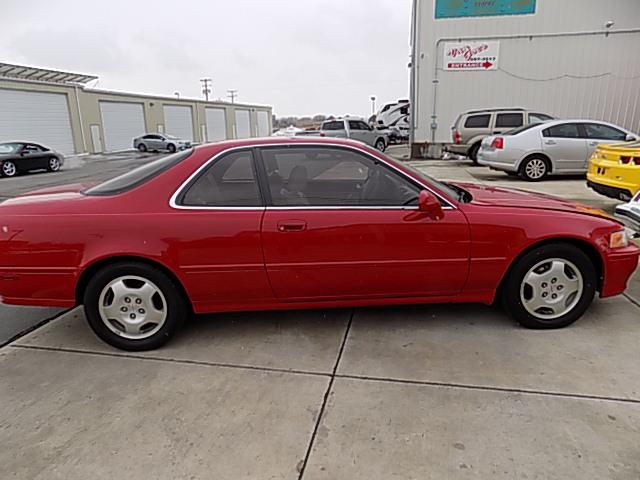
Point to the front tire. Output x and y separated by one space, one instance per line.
142 148
9 169
473 153
550 287
171 148
534 169
134 306
381 145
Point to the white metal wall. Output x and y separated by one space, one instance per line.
264 129
216 119
243 123
37 117
178 121
121 123
569 76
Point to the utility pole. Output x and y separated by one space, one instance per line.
206 87
232 94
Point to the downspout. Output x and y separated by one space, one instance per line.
413 74
84 142
436 82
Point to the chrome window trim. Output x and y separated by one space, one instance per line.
174 204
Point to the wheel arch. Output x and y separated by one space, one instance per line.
586 247
99 264
542 155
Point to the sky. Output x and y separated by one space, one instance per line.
303 57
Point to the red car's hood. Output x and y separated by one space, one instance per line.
507 197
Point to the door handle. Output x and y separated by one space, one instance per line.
292 226
593 144
550 142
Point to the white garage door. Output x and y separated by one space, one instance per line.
216 124
178 121
121 122
36 117
243 124
263 124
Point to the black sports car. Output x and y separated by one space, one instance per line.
18 157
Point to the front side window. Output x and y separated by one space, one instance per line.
317 176
477 121
564 130
509 120
229 182
604 132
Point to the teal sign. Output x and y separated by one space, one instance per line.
483 8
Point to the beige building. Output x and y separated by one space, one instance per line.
57 109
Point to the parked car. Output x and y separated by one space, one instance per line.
156 142
559 147
356 129
17 157
629 214
474 126
614 170
287 223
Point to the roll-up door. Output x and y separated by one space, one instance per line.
216 124
243 124
178 121
263 124
121 122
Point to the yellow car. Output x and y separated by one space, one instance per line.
614 170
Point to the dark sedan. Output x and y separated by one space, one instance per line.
16 157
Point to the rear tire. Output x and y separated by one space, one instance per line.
53 165
473 153
534 169
381 145
134 306
550 287
171 148
142 148
9 169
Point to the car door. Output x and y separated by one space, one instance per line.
565 145
340 224
335 129
217 217
32 157
599 133
360 131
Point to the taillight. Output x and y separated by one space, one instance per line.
498 143
628 160
625 160
456 137
322 134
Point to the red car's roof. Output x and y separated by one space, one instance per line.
249 142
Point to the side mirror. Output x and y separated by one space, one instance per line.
631 138
430 205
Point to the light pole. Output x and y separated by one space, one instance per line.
373 104
206 87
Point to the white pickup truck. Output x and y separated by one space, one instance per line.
355 129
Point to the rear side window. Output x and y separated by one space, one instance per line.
137 176
477 121
229 182
604 132
333 126
565 130
509 120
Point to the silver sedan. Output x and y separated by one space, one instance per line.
160 142
551 148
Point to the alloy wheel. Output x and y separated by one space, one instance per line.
551 289
54 164
133 307
8 169
536 168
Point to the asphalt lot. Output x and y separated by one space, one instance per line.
422 392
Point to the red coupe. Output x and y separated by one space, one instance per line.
299 223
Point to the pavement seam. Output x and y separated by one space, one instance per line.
173 360
632 300
23 333
463 386
325 399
